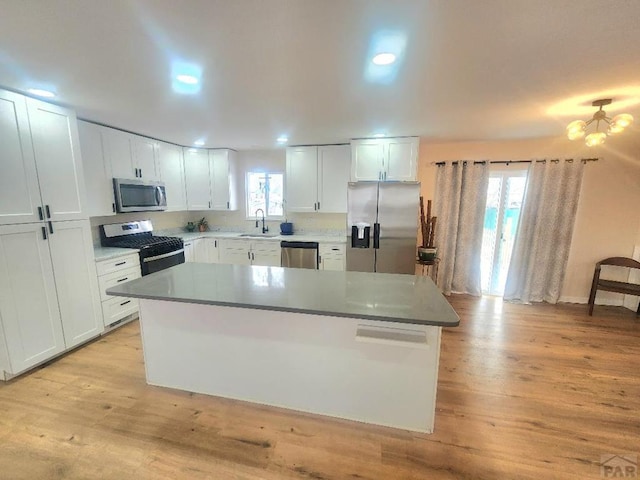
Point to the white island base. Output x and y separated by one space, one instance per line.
377 372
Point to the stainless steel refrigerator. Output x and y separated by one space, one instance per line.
382 226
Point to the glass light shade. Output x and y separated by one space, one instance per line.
614 128
595 138
623 120
576 129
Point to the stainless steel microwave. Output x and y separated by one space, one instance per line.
139 195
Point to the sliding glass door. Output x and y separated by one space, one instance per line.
504 200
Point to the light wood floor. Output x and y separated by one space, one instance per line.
535 392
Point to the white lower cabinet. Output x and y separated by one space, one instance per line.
236 252
76 283
196 250
213 249
200 253
188 251
248 252
266 253
48 292
332 256
113 272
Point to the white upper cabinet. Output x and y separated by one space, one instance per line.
302 179
131 156
401 159
197 178
317 178
56 145
42 175
28 303
367 157
223 179
144 158
333 178
97 170
171 165
19 190
117 151
210 179
385 159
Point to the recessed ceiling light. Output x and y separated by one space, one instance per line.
199 143
384 58
282 139
188 79
41 93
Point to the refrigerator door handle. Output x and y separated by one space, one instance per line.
376 235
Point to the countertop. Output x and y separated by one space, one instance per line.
375 296
296 237
107 253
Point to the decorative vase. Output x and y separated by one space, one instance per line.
427 254
202 228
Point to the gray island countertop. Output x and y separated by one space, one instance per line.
373 296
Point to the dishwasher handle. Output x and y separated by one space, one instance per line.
285 244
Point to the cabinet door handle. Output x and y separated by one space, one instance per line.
113 207
124 303
50 227
249 255
215 243
318 206
44 233
40 213
46 207
120 263
140 172
227 205
123 279
253 257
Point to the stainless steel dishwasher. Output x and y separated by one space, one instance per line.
299 254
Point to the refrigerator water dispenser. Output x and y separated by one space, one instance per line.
360 235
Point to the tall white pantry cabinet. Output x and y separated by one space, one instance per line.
49 298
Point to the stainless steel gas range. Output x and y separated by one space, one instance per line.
156 252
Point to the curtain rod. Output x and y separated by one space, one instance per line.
507 162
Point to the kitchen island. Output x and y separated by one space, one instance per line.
353 345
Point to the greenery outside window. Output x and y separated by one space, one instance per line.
265 190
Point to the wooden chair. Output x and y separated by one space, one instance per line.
611 285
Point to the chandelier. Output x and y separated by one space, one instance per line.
578 128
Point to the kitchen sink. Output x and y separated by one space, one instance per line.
259 235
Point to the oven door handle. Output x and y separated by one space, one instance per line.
164 255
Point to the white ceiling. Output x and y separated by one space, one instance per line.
472 70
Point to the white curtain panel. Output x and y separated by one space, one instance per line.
460 198
541 247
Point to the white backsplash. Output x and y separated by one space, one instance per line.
171 223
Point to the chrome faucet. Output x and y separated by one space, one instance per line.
265 229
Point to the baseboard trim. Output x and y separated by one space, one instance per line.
585 300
